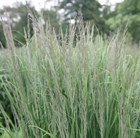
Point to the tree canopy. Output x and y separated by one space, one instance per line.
90 9
127 13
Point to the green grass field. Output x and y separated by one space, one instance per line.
88 87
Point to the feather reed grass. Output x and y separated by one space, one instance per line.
73 88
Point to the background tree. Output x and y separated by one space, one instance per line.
18 17
52 17
90 9
127 13
20 22
24 23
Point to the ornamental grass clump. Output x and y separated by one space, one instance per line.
73 85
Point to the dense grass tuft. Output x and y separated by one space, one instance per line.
74 87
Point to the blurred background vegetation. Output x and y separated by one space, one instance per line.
106 18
